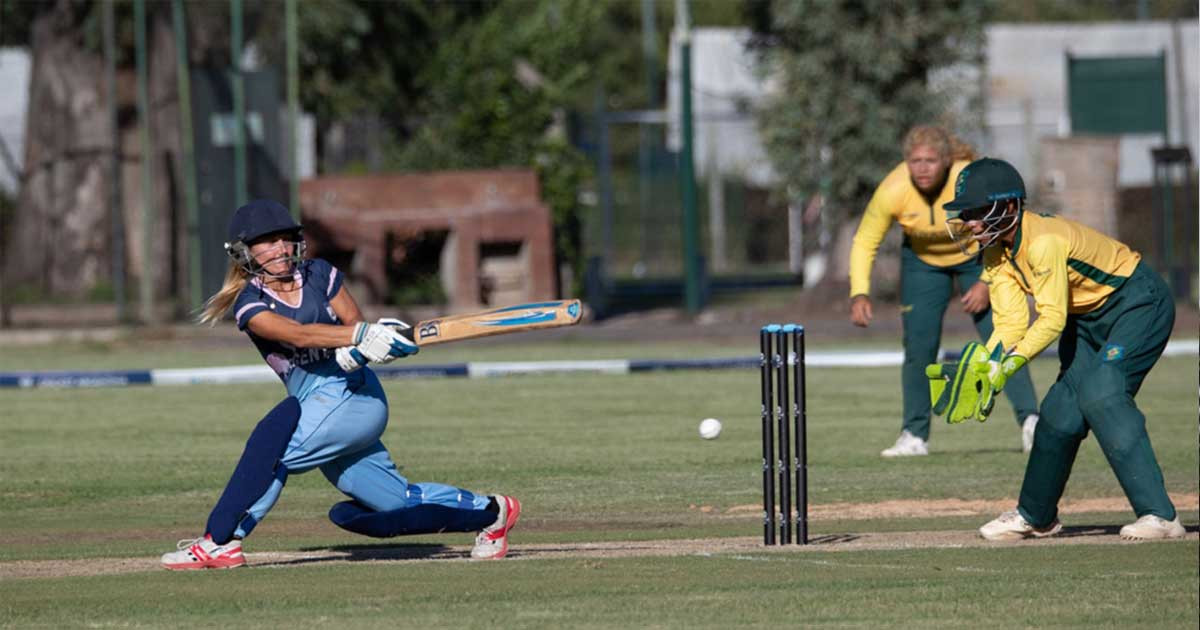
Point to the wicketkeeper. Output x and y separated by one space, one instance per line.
1114 315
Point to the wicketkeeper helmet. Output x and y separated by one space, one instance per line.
981 193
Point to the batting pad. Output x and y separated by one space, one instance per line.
258 467
354 517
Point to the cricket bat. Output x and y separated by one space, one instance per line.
500 321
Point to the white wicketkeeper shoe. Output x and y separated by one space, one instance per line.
1151 527
203 553
1027 429
907 445
492 542
1012 526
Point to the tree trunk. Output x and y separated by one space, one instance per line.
59 245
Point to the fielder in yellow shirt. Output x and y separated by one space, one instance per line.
1114 315
930 264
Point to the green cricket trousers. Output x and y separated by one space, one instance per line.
925 292
1105 356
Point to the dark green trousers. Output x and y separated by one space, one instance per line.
1105 357
925 292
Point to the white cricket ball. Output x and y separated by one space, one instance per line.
710 428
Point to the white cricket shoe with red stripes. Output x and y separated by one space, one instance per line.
492 542
203 553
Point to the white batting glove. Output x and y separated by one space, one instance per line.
400 327
349 358
381 344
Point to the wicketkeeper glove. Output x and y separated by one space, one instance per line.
998 369
957 389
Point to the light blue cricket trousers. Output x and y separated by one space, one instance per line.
341 420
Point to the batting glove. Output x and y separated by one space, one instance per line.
381 344
349 358
401 329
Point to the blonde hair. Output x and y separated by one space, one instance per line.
216 306
947 145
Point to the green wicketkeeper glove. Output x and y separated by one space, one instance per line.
997 370
957 389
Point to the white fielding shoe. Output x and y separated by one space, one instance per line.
203 553
1027 429
1151 527
492 542
1012 526
907 445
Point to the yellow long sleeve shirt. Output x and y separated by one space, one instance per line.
897 200
1067 267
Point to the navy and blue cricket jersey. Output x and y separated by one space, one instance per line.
300 369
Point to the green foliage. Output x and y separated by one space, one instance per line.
498 91
418 290
853 77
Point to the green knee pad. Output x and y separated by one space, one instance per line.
1060 409
1109 410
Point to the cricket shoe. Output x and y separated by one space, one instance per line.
492 542
1027 429
203 553
907 445
1012 526
1151 527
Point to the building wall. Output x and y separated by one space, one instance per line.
1025 86
14 76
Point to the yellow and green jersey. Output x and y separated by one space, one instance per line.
897 199
1067 267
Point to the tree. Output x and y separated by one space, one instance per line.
853 76
498 93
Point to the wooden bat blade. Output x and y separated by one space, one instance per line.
500 321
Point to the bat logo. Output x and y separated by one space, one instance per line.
428 330
532 317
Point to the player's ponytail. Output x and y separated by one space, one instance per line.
216 306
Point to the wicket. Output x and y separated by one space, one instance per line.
782 382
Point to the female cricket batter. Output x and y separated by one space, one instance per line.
310 331
913 195
1114 314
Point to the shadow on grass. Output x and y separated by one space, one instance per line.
368 553
1075 531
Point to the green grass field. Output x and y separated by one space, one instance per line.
122 473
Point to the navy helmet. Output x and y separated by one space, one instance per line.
255 220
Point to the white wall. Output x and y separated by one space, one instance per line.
14 97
